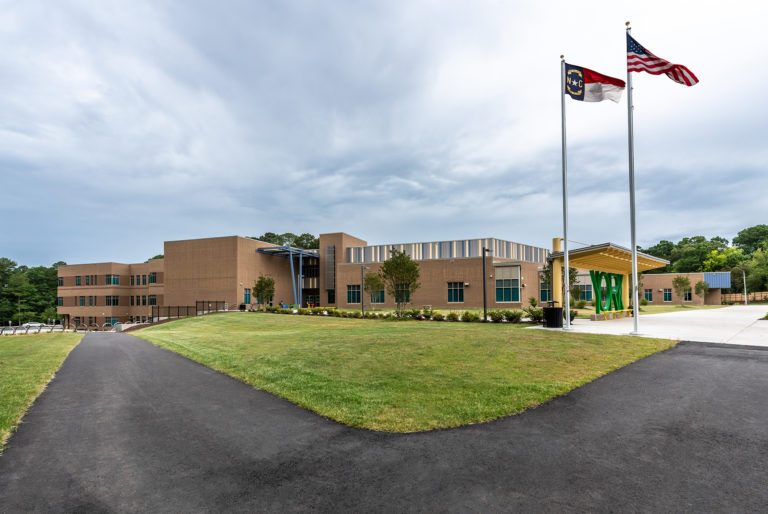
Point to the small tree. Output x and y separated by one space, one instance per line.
373 284
701 288
400 276
681 284
264 289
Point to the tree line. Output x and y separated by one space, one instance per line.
748 251
27 294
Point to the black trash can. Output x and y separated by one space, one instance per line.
553 317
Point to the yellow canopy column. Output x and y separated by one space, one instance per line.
557 273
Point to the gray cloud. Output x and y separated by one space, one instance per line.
129 123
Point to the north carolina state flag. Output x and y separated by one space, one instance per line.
590 86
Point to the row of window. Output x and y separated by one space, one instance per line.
110 301
113 280
507 290
687 295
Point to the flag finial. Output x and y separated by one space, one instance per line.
562 57
627 24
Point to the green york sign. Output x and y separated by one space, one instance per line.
607 291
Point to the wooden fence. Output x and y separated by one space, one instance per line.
761 296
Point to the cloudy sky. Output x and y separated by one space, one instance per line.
128 123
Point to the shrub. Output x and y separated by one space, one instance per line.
318 310
337 313
436 316
513 316
304 312
534 314
496 316
573 314
427 313
533 301
581 304
452 316
643 301
470 316
572 302
412 313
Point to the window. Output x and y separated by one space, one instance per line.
138 300
687 296
77 280
93 280
60 301
153 299
77 320
545 294
111 321
378 296
455 292
246 295
508 290
82 301
90 301
648 295
61 281
112 300
143 319
90 320
668 295
353 294
112 280
143 300
585 291
143 280
153 279
87 280
132 301
132 281
331 296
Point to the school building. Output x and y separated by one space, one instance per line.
224 270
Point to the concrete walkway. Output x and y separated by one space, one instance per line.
730 325
128 427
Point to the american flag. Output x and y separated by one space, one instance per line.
641 59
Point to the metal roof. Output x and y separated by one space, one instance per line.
285 251
609 257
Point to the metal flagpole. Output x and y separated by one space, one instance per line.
631 136
566 268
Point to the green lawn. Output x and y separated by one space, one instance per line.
27 364
399 376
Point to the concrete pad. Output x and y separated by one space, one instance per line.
730 325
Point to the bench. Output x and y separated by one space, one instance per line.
604 316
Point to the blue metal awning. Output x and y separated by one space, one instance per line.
290 252
720 279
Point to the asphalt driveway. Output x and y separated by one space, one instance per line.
126 426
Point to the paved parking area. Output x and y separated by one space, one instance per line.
730 325
128 427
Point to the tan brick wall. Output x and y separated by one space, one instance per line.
434 278
660 281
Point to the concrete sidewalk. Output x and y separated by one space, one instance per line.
729 325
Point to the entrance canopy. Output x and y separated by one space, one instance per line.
610 258
607 258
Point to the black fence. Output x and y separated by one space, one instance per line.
201 307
